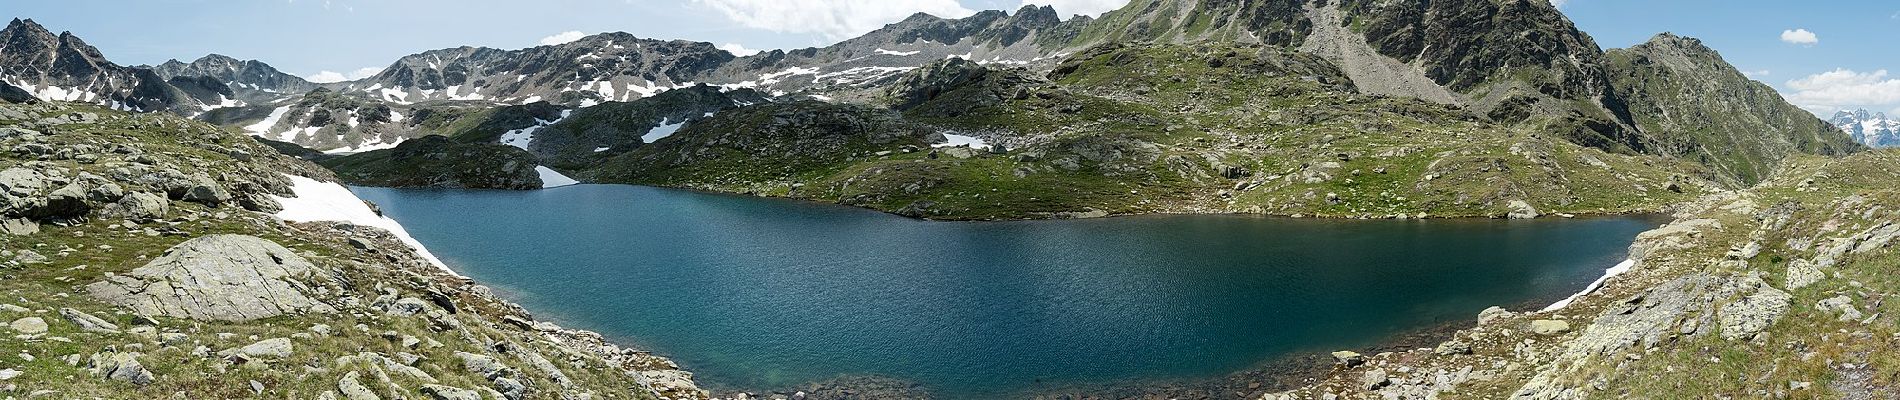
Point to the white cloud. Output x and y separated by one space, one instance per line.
738 49
1559 3
562 37
1093 8
333 76
1845 88
1757 74
1800 36
836 19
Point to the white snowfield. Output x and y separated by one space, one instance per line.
324 201
551 178
1619 269
961 140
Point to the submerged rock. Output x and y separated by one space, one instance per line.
217 277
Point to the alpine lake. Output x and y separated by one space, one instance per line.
761 294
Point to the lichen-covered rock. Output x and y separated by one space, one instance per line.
28 326
439 392
217 277
1754 312
88 322
353 388
140 206
269 348
1549 327
124 367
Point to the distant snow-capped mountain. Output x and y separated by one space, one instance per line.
62 67
1871 129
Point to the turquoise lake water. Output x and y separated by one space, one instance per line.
762 294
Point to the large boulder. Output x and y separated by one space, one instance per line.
217 277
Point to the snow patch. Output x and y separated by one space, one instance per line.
1619 269
551 178
323 201
377 144
898 53
665 129
961 140
262 128
524 136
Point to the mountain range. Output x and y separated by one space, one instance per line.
1478 56
1871 129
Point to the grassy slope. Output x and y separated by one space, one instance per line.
1153 128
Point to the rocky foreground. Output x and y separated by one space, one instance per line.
145 255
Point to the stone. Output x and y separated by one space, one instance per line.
1742 319
123 367
1550 327
18 227
67 202
28 326
218 277
353 388
205 191
88 322
1802 273
408 306
1349 358
9 374
439 392
1840 304
142 206
278 348
30 257
1374 379
173 338
1522 210
510 388
1493 314
480 364
1452 347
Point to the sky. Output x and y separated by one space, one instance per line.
1823 56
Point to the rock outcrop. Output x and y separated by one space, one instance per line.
219 277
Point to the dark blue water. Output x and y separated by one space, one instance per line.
760 293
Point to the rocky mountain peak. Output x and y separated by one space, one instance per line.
1873 129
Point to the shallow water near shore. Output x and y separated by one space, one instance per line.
762 294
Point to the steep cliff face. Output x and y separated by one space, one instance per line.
1689 102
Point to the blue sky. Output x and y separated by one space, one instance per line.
1824 56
